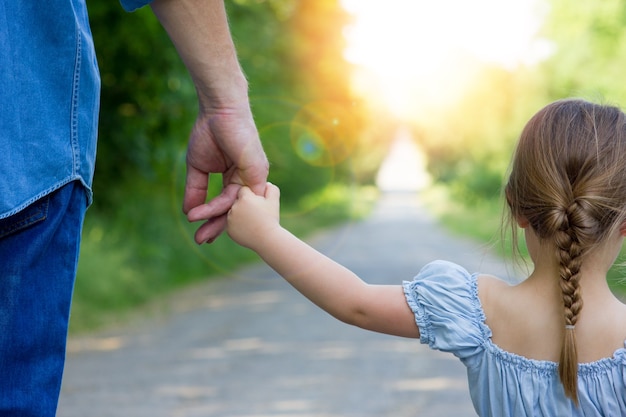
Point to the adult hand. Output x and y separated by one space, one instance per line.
222 141
224 138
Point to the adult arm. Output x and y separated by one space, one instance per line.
224 138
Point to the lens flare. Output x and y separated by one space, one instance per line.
323 133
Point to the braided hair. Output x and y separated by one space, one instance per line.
568 180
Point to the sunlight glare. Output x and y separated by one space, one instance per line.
410 49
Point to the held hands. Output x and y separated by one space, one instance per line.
224 138
222 141
253 218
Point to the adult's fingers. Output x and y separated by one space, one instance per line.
210 230
254 173
196 186
216 206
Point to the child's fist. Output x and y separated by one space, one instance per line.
252 217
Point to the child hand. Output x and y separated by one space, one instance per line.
253 217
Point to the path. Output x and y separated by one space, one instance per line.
250 346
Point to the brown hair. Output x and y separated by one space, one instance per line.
569 182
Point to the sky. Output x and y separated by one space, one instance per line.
412 52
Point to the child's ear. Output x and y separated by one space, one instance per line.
520 220
524 223
622 229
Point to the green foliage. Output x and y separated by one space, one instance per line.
292 54
147 103
471 145
136 242
590 49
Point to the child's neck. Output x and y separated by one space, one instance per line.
592 283
602 317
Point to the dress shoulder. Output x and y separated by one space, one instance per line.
444 299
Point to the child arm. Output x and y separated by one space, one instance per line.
253 222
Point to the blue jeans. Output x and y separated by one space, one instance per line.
38 257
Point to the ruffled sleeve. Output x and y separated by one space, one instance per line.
444 300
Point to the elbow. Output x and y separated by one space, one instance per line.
354 316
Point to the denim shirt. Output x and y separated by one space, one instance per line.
49 99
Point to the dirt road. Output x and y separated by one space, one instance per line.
250 346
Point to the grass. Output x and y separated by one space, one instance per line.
481 221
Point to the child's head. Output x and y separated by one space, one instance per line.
568 181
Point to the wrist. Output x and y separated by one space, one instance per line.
269 238
199 30
224 89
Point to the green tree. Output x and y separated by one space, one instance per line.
147 103
136 242
589 40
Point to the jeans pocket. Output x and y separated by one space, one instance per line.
32 214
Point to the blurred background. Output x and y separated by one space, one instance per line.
336 86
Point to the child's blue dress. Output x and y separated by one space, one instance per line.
444 299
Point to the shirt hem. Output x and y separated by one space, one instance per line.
47 191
